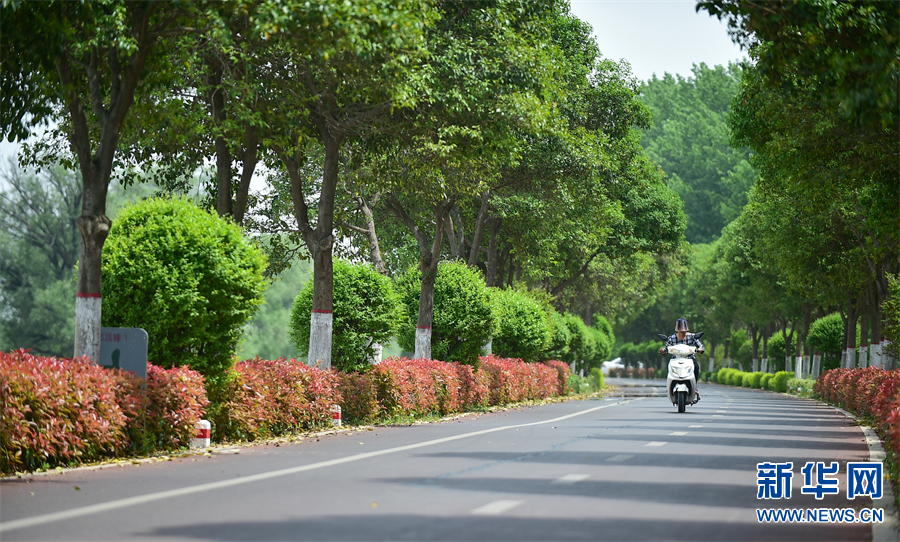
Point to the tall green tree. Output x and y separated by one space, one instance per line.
86 74
689 138
38 254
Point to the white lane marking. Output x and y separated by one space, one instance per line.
620 457
570 479
690 426
496 508
718 416
678 433
656 443
200 488
723 411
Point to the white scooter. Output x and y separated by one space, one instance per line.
681 384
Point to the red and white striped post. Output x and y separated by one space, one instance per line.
336 415
202 434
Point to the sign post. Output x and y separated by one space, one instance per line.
124 348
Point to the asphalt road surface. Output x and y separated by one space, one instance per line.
620 468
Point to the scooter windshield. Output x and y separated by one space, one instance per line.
682 350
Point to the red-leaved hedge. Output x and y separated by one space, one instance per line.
262 398
62 411
871 393
56 411
513 380
401 386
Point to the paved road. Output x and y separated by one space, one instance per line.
627 468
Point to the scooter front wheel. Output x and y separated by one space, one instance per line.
682 399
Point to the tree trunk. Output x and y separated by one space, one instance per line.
864 331
374 245
429 256
494 269
249 161
479 232
96 163
320 243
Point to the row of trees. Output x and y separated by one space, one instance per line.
411 132
818 241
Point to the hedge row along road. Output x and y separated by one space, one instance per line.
626 468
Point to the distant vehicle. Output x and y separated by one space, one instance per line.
612 364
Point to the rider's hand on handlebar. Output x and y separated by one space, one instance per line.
662 351
700 351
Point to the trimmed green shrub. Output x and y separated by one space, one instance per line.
366 310
776 351
560 336
756 380
187 277
583 348
524 331
607 338
736 378
826 335
780 381
765 380
463 318
597 377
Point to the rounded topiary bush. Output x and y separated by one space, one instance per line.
560 337
776 351
366 311
583 348
187 277
765 380
524 331
463 318
826 335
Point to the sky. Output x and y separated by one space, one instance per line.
657 36
654 36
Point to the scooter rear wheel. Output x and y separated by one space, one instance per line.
682 399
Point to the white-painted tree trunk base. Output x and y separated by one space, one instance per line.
765 365
755 364
788 364
888 362
377 353
875 355
488 347
320 327
851 358
423 343
88 316
816 366
806 366
711 366
864 356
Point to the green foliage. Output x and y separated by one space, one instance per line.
597 377
38 254
189 278
744 355
826 334
266 335
780 381
765 380
463 318
606 339
891 311
690 140
524 330
776 351
366 310
802 387
560 337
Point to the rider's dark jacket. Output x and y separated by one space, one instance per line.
689 339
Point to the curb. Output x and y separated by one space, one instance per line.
889 531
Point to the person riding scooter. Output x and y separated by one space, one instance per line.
682 336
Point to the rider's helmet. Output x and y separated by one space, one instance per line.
681 324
